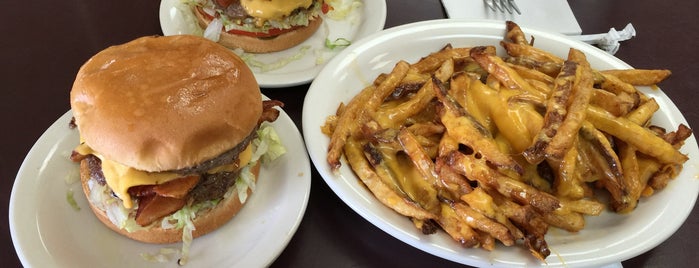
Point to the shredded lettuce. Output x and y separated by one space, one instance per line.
340 42
71 200
163 255
250 60
269 146
342 8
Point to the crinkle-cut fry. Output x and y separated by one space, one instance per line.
615 85
457 228
555 113
515 33
404 206
562 141
476 169
533 53
639 77
478 221
643 139
508 77
642 114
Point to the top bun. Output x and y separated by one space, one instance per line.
164 103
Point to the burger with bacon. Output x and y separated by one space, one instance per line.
259 26
172 133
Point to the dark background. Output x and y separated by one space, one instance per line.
45 42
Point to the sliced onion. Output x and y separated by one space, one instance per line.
213 31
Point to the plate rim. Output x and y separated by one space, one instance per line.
310 125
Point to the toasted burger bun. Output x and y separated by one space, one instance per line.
263 45
165 103
204 223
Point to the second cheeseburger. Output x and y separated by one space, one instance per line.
170 136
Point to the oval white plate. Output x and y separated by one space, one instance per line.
606 239
48 232
176 18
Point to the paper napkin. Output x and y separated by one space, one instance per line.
552 15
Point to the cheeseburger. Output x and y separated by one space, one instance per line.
259 26
172 133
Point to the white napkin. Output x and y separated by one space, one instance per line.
552 15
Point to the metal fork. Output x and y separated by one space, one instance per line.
503 5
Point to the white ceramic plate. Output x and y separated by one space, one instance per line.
176 18
606 239
48 232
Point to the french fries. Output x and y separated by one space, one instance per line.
492 148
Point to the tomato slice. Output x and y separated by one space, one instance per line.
325 8
270 33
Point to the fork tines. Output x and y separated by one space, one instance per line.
503 5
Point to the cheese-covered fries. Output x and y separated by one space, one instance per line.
493 148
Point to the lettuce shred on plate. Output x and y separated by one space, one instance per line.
340 42
249 59
342 8
268 148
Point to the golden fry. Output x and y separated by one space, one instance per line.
478 221
487 147
506 75
640 77
582 92
641 138
388 197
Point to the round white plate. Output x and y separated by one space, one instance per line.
606 239
176 18
48 232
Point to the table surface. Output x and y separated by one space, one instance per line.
45 42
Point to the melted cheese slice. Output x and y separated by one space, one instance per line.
120 177
273 9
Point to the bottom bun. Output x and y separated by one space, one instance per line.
204 223
264 45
